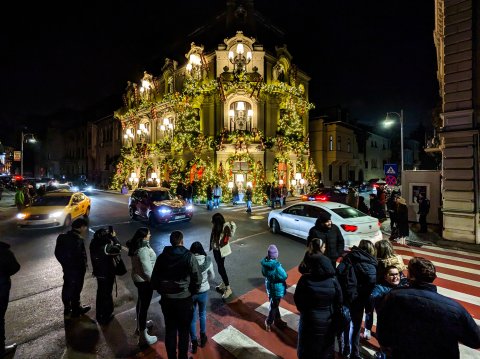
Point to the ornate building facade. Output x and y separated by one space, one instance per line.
456 35
236 115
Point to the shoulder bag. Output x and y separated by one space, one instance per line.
120 268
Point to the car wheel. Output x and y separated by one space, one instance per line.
131 212
68 221
87 212
151 220
275 226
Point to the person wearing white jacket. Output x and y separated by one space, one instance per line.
143 260
200 299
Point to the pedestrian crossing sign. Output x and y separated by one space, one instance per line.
390 169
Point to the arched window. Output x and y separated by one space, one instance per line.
240 116
349 146
339 143
330 143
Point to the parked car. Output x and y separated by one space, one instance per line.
54 209
158 205
83 186
298 218
326 194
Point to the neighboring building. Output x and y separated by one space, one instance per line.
377 154
456 36
103 145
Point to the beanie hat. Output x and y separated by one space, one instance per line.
272 251
322 218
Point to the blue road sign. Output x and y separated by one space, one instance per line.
390 169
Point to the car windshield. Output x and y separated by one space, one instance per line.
160 196
51 201
348 212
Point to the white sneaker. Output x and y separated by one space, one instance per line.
146 339
220 288
367 334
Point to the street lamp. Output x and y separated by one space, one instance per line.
388 122
31 138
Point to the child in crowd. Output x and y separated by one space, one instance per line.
275 283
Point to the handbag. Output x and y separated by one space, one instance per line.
225 250
341 318
120 268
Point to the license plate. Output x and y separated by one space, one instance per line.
180 217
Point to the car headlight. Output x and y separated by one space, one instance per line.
189 207
89 188
21 215
74 188
55 214
164 210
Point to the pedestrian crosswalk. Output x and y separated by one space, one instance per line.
237 329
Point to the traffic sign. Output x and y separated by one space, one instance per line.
391 180
390 169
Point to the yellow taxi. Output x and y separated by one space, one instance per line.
54 209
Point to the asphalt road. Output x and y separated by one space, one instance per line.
34 317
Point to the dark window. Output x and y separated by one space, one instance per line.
348 212
339 143
298 210
313 211
340 173
330 172
160 196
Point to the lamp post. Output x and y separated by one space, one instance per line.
31 139
387 123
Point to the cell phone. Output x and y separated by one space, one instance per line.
110 229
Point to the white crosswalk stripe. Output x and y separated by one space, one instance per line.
242 346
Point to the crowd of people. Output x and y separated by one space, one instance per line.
334 293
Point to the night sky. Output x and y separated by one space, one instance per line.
369 56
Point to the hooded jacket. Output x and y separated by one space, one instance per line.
8 263
316 295
176 273
275 277
365 266
205 266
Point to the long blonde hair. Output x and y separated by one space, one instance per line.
384 249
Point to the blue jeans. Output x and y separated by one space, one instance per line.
274 311
199 299
249 206
216 202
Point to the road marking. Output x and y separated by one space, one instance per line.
444 265
292 319
242 346
444 256
471 254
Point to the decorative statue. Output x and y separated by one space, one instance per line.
278 72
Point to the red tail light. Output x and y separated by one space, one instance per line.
349 227
304 198
320 198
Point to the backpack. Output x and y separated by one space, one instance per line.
347 278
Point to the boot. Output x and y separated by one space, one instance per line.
227 293
268 327
146 339
220 288
203 339
194 346
80 310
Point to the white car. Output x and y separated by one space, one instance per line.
298 218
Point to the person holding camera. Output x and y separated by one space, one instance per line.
103 250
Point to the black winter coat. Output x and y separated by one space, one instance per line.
316 294
176 273
402 220
70 252
417 322
8 263
102 254
333 239
365 266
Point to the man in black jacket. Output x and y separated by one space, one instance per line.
176 277
70 252
8 267
330 235
417 322
423 209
